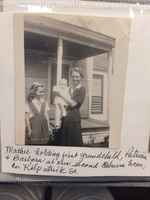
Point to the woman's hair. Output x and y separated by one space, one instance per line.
77 69
33 90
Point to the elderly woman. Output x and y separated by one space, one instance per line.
71 124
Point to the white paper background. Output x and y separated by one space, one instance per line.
136 115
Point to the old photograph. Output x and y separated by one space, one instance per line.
71 69
75 94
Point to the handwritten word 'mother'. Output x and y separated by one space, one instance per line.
10 149
17 157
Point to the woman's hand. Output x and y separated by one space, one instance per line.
50 131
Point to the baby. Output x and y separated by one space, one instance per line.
62 104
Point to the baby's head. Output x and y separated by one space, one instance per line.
63 83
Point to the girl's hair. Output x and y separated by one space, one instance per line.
33 91
77 69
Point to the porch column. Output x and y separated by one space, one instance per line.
58 77
49 81
59 59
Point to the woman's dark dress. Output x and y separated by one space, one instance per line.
71 124
39 126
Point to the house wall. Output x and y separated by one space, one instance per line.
86 65
36 69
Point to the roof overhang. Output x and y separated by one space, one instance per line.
42 33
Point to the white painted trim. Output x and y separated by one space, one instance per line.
59 60
90 88
48 81
104 116
110 71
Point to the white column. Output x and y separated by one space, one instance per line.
59 72
59 59
90 86
49 81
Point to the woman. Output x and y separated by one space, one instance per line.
37 116
71 123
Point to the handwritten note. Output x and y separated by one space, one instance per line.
63 162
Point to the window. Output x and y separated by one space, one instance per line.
97 94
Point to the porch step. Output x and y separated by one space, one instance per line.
93 125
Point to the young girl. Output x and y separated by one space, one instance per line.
38 129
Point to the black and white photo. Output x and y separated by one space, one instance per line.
52 47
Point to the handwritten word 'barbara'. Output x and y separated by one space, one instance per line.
116 155
47 152
111 164
132 153
13 150
17 157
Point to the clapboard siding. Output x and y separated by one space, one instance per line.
101 61
36 69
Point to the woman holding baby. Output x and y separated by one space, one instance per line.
71 124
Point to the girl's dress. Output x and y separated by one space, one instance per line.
71 124
37 111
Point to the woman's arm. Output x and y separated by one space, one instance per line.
70 101
28 124
62 94
77 99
